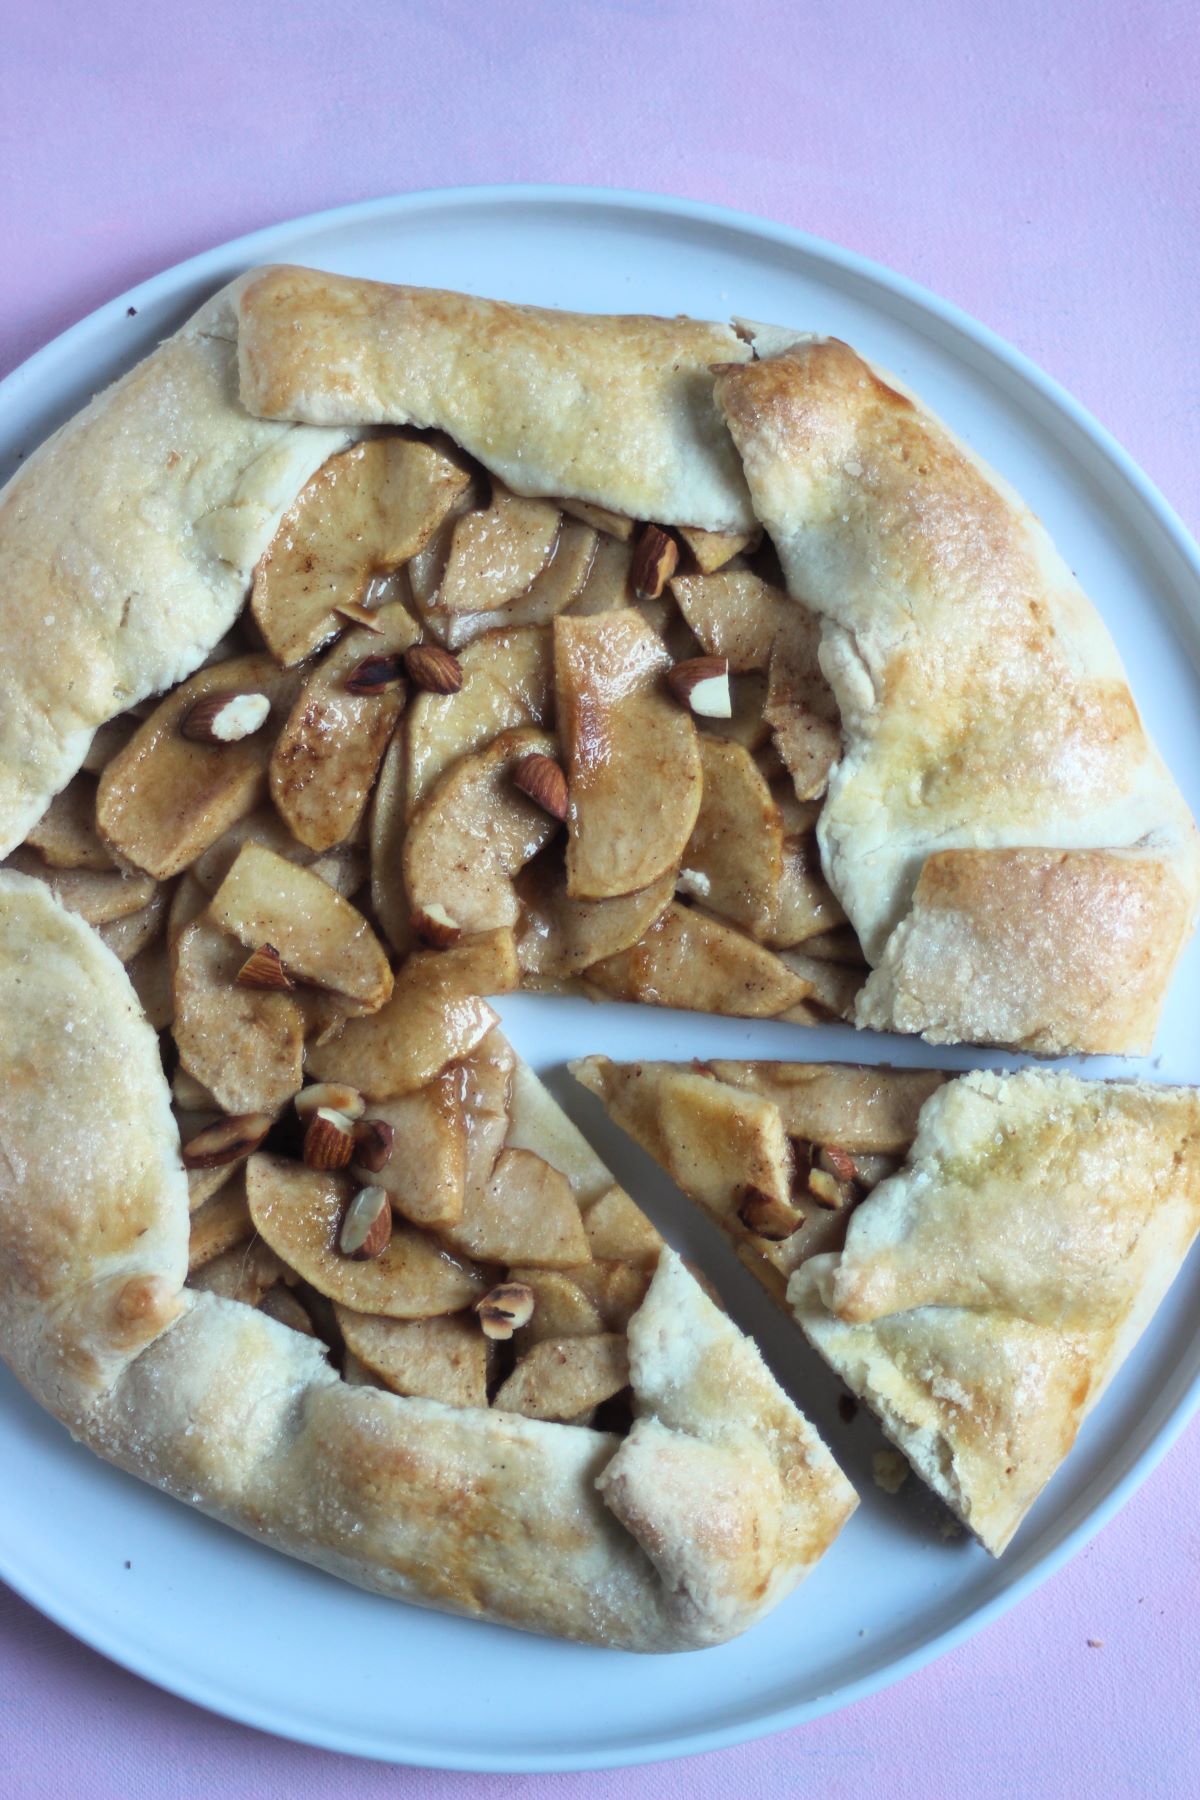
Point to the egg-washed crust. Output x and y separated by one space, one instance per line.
986 721
613 409
988 1292
681 1535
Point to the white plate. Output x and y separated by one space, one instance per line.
256 1636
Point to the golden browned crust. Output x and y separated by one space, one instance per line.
473 1510
983 706
609 409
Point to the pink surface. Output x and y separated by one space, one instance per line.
1037 166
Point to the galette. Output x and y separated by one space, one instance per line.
410 649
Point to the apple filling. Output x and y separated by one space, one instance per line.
459 742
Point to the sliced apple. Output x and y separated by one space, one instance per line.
559 583
363 513
633 766
600 518
609 583
188 901
525 1213
713 549
565 1377
244 1046
472 834
440 1359
97 895
322 938
326 757
298 1212
807 908
746 724
536 1123
426 1172
838 946
616 1287
871 1110
388 826
735 614
800 707
165 798
561 1309
559 936
246 1273
279 1303
66 836
435 1016
737 841
219 1224
203 1183
694 962
508 681
619 1231
129 936
264 827
832 987
496 553
150 973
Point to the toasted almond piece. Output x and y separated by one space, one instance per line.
264 969
828 1191
559 1307
335 736
862 1110
601 518
281 1304
433 925
505 1309
551 592
507 682
245 1046
837 1162
701 683
713 549
495 554
543 781
633 767
97 895
737 841
767 1216
434 669
442 1359
299 1212
328 1140
228 1141
163 800
218 1225
559 1379
66 836
698 964
107 740
245 1273
225 718
619 1231
320 936
655 560
559 936
336 1096
473 832
426 1171
373 1144
525 1213
388 827
435 1016
365 511
366 1228
129 936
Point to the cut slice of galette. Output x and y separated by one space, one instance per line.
975 1256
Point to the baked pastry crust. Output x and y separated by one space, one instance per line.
616 410
986 722
980 1298
678 1536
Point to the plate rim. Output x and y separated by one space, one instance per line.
984 346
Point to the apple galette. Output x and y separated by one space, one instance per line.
409 648
975 1256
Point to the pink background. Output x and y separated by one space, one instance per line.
1039 170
